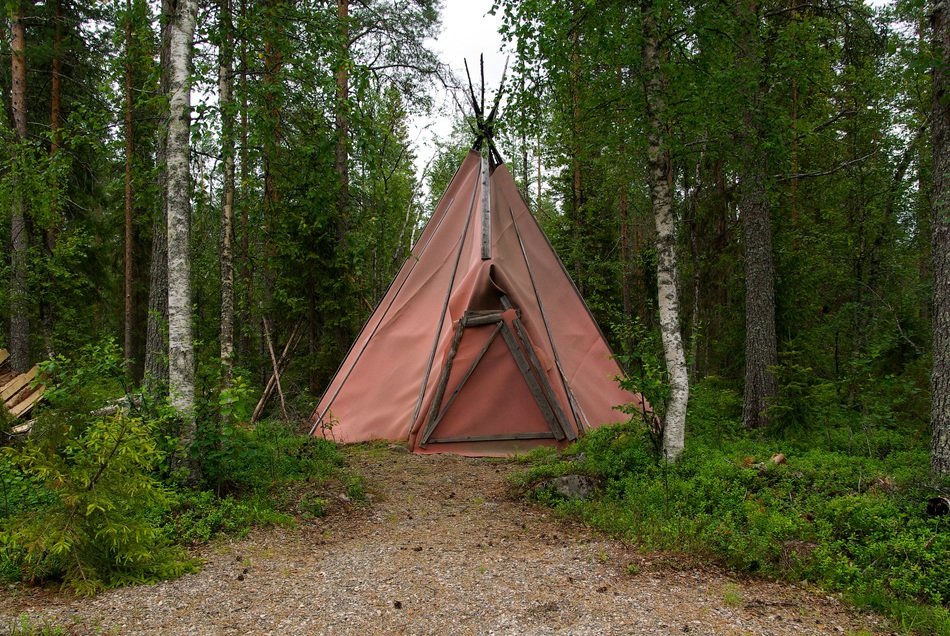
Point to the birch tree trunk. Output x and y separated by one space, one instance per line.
19 294
225 83
181 360
940 238
674 424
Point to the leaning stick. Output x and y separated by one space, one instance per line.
281 363
273 359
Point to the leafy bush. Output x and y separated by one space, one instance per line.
243 459
98 526
88 499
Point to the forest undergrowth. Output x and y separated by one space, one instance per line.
90 500
836 499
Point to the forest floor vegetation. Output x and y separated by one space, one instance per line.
90 501
841 504
437 545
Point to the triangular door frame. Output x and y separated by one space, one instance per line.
529 366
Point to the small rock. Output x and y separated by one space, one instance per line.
570 486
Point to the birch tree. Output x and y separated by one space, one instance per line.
225 83
674 424
181 358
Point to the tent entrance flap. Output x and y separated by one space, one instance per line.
499 390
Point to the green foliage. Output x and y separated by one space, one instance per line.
199 516
23 625
846 510
98 528
262 459
258 476
82 502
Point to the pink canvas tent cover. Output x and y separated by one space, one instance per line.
482 345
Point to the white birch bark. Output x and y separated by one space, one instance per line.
674 423
181 359
227 203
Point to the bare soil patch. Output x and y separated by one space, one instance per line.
439 548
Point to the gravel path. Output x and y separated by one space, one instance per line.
441 548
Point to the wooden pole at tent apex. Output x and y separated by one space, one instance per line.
484 127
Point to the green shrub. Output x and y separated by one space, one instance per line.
255 459
98 526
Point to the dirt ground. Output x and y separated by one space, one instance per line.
440 547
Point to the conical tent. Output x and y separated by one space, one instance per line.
482 345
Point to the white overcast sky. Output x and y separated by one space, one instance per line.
467 32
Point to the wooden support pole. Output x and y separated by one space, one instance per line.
280 366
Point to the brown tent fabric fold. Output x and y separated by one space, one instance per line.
476 357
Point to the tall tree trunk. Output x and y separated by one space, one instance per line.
273 66
56 79
156 349
760 343
576 181
247 274
19 295
225 82
940 120
342 105
129 313
55 116
761 348
625 284
181 359
674 424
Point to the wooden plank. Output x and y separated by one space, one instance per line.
533 386
543 380
27 404
443 381
492 438
20 429
476 318
17 383
4 354
458 389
